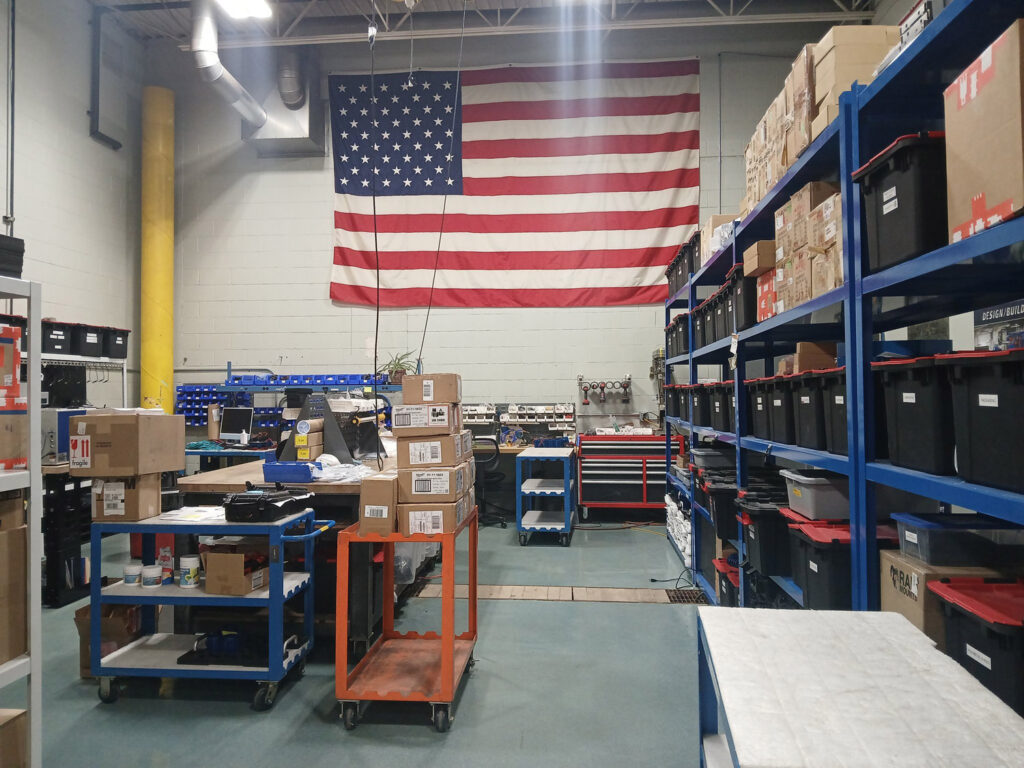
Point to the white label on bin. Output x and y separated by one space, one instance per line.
431 482
812 565
978 656
423 521
889 194
717 406
750 531
760 404
840 399
910 536
777 403
378 511
80 451
113 498
425 453
428 390
889 207
988 401
909 397
91 338
805 399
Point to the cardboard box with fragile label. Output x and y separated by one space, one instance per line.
759 258
378 504
235 565
125 499
434 518
985 138
444 484
13 593
904 582
427 388
124 444
422 420
436 451
14 738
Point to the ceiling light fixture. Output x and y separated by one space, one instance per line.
246 9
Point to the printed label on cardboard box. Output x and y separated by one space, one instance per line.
80 451
378 511
906 584
428 389
426 521
421 416
432 482
113 498
425 453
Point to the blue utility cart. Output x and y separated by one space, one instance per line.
528 488
156 654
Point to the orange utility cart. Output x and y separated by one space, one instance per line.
410 666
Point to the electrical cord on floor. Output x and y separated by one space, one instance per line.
689 583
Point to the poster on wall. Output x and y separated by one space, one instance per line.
999 327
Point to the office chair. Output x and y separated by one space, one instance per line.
485 466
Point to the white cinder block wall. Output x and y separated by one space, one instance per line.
254 236
76 200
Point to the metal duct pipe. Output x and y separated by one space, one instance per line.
204 48
290 82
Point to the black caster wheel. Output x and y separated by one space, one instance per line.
266 695
563 539
300 670
109 691
504 524
522 539
470 664
442 718
349 716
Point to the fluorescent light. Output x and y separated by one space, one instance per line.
246 9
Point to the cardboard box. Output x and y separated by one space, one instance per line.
433 518
826 114
227 572
875 34
125 499
809 197
309 452
783 228
309 440
437 451
10 362
213 421
14 738
119 625
378 504
14 433
712 223
125 444
420 389
766 296
985 137
814 356
13 593
759 258
827 271
445 484
904 590
12 509
824 226
801 276
425 420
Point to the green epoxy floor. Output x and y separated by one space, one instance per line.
556 684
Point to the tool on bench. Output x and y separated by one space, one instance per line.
264 505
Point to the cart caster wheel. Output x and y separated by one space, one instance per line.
522 539
349 716
470 664
109 691
563 539
585 513
300 670
504 524
442 719
265 697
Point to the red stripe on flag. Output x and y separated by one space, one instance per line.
580 72
572 185
518 222
477 297
584 145
531 260
624 106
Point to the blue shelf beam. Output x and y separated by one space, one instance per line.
789 586
679 300
716 268
800 323
679 485
1005 505
717 352
702 512
820 459
705 585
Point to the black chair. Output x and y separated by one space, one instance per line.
486 463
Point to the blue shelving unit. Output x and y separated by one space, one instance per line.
531 520
980 271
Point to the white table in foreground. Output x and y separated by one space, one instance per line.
782 689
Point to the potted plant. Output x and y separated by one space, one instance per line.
398 365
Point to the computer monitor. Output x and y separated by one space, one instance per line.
233 422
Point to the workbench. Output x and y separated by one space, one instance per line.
233 479
208 458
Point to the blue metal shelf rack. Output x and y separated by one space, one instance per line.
977 272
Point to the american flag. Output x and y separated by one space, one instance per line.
566 185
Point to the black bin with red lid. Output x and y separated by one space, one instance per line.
759 407
722 397
765 533
904 193
780 403
808 392
728 584
742 299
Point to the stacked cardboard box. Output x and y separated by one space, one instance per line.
825 242
765 153
793 252
847 54
800 104
13 587
124 451
14 738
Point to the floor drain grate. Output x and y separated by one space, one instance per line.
690 596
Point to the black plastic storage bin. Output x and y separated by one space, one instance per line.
722 398
728 584
988 414
710 331
705 555
723 314
670 339
682 334
17 321
699 335
985 632
743 298
700 404
824 557
691 253
780 403
765 535
833 392
670 275
56 337
721 503
904 192
918 403
809 410
115 343
86 340
759 407
671 400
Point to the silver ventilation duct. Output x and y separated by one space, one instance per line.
296 123
290 78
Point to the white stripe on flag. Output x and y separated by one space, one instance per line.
501 278
577 165
569 127
579 89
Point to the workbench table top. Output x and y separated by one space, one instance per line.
233 479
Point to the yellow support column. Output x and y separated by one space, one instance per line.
157 271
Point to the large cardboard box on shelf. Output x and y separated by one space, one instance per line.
432 518
824 226
235 565
759 258
783 231
14 738
904 582
446 484
437 451
985 137
849 53
125 499
420 389
12 509
425 420
826 114
801 276
378 504
814 356
800 104
124 443
805 200
119 625
784 279
13 593
766 296
13 433
827 270
707 231
10 362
